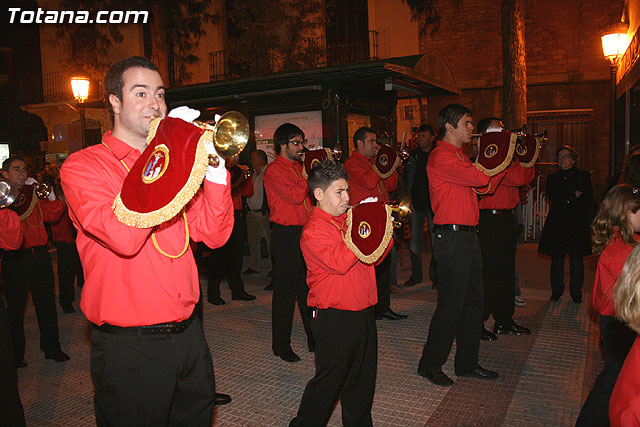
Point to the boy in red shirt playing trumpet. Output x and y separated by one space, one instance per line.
342 292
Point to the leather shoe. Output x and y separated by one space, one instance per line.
21 363
311 344
249 271
216 301
58 356
578 300
222 399
554 297
409 283
437 378
391 315
434 285
480 373
289 356
269 287
68 309
243 297
513 329
486 335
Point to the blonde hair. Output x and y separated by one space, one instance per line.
626 291
612 218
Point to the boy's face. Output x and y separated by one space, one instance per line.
335 199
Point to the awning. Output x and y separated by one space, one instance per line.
411 76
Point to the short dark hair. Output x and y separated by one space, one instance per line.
427 128
113 81
361 134
451 114
483 124
262 155
7 162
284 133
325 173
572 152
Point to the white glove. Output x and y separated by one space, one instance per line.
370 200
215 174
52 195
494 129
317 147
185 113
30 181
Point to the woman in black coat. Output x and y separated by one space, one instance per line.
567 229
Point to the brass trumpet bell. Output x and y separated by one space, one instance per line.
402 209
43 190
337 151
230 136
8 193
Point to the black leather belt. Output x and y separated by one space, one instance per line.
457 227
30 251
497 211
171 328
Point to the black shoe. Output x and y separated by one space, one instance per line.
243 297
480 373
311 344
216 301
409 283
513 329
249 271
68 309
578 300
437 378
554 297
391 315
58 356
269 287
21 363
434 285
486 335
288 356
222 399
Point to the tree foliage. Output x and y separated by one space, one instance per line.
265 36
424 11
178 24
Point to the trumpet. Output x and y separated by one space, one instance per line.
43 190
248 173
230 135
8 193
337 151
402 209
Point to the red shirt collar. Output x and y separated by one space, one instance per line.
119 148
448 146
318 212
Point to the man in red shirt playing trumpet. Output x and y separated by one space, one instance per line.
150 362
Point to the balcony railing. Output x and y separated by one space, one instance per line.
312 53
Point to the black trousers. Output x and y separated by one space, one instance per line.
290 284
460 302
617 339
383 284
346 363
416 220
11 412
498 246
152 380
226 261
69 268
576 271
25 272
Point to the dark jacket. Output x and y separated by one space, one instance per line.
417 181
567 229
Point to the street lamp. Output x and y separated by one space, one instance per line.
80 88
614 44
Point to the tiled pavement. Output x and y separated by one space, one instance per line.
543 377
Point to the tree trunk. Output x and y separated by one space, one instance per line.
159 48
514 64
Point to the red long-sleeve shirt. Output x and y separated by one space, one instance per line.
244 189
128 282
287 192
452 178
609 268
506 195
624 405
62 229
365 182
335 276
33 226
11 233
